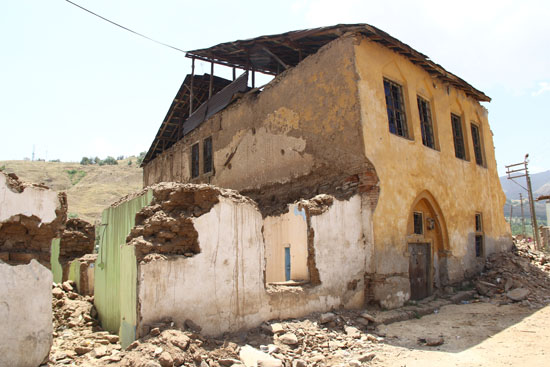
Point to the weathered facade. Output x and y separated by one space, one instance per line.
362 118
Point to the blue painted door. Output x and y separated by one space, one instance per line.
287 263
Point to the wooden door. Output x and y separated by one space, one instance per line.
419 266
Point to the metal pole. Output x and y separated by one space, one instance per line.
522 215
532 207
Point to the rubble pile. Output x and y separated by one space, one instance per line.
522 275
78 340
328 339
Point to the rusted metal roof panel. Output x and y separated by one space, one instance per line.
291 48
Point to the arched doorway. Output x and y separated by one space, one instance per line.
426 246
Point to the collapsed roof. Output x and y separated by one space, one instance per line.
272 55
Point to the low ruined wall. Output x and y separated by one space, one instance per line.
222 287
30 217
26 314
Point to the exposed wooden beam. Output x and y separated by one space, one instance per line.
275 57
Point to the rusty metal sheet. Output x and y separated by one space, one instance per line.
221 99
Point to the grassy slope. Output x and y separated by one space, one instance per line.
101 186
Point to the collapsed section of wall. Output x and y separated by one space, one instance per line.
26 314
30 217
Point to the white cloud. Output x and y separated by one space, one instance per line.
543 87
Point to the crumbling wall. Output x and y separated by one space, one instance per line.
30 217
26 314
223 288
297 138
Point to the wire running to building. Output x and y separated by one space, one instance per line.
126 28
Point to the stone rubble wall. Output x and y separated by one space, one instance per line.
30 217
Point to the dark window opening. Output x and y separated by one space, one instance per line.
458 136
426 124
479 224
396 108
207 154
479 245
195 160
477 144
418 223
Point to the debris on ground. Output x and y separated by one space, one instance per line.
521 275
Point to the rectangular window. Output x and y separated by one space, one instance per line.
458 136
207 154
396 108
479 235
479 245
195 160
476 139
418 223
426 122
479 225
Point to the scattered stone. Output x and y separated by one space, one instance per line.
252 357
155 331
354 363
67 286
366 357
99 351
228 362
80 350
434 341
368 317
518 294
299 363
289 339
325 318
352 332
57 293
165 359
191 325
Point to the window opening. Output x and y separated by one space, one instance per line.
195 160
477 144
396 108
479 235
426 124
458 136
418 223
207 154
287 263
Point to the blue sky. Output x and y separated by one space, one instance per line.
73 85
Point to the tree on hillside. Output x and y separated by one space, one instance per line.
110 161
140 158
85 161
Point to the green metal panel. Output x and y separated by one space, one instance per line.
57 270
128 297
115 226
74 273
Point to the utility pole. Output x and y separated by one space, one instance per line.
522 215
515 171
511 211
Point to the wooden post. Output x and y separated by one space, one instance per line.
211 80
253 78
191 91
234 73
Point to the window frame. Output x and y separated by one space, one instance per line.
207 156
421 216
396 111
458 119
427 129
478 148
195 160
479 238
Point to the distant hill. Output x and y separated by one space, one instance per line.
540 183
89 188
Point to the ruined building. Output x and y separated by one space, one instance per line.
371 169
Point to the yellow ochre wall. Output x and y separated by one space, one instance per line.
406 168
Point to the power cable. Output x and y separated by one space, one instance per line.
125 28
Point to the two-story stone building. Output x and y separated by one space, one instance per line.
356 114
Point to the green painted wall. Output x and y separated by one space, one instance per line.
74 273
57 270
116 268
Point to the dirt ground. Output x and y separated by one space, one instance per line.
476 334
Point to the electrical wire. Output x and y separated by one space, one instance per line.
125 28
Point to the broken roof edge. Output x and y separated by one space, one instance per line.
308 41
